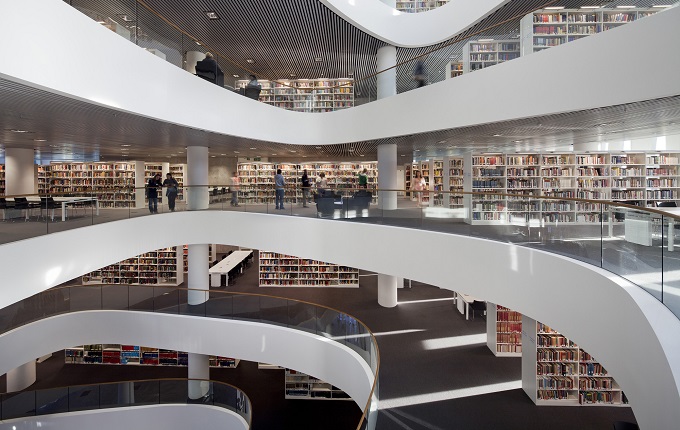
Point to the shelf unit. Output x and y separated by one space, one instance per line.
307 95
150 169
555 371
503 331
635 178
416 6
179 173
160 267
2 179
257 182
454 178
454 69
482 54
136 355
280 270
302 386
544 29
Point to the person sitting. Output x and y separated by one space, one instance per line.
253 88
209 70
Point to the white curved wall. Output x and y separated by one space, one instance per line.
138 417
624 327
51 57
265 343
410 30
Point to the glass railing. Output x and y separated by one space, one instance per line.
637 243
75 398
294 314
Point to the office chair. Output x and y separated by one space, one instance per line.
209 74
47 204
252 93
23 204
4 205
477 306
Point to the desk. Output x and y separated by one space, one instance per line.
227 265
64 201
462 302
638 227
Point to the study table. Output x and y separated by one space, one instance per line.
639 226
227 265
64 201
463 302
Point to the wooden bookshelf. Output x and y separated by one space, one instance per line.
545 29
302 386
504 331
555 371
479 55
160 267
280 270
307 95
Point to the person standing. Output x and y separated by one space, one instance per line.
363 178
321 184
419 74
171 188
279 184
305 188
235 182
418 186
152 192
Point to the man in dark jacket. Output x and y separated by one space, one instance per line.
209 70
152 192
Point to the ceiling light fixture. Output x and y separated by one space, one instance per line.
250 61
554 8
213 156
40 140
15 130
590 7
661 5
496 135
292 75
318 147
126 18
485 40
236 152
198 43
625 7
318 59
125 145
236 76
253 148
212 14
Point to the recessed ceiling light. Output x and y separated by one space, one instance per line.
362 155
40 140
236 152
417 150
253 148
292 75
496 135
625 7
318 59
554 8
14 130
274 154
198 43
125 145
590 7
403 155
250 60
350 74
126 18
213 156
236 76
292 151
318 147
351 149
212 14
661 5
485 40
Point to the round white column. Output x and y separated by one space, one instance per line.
387 80
198 368
197 175
198 278
193 57
20 173
140 183
387 290
387 176
21 377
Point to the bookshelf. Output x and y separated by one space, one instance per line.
635 178
307 95
161 267
544 29
136 355
480 54
179 173
416 6
454 179
280 270
555 371
150 169
257 182
302 386
454 69
2 179
504 331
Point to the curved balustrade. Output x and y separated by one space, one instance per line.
122 394
295 314
633 242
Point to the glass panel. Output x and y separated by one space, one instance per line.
632 247
116 395
114 297
17 405
274 311
331 324
219 305
146 393
225 396
140 298
671 264
173 391
302 316
84 398
166 300
85 298
247 308
358 338
196 303
52 401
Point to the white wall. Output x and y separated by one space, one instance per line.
294 349
50 58
412 30
625 328
138 417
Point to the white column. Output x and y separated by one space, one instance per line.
198 368
20 175
193 57
198 278
197 174
387 290
387 176
165 169
21 377
387 80
140 183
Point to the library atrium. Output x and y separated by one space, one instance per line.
339 214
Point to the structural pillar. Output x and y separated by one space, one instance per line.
20 173
21 377
387 290
198 368
387 80
193 57
140 183
197 199
387 154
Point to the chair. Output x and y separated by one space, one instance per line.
21 203
46 204
666 205
215 195
206 73
477 306
4 205
252 93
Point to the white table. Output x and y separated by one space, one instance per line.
463 302
227 265
638 226
64 201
